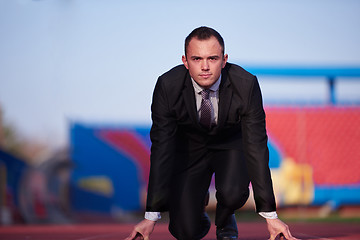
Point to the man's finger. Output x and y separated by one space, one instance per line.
286 234
132 235
139 235
281 236
272 237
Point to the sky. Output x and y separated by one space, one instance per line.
93 61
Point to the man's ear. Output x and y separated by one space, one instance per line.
184 60
225 60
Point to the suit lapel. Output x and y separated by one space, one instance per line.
225 96
189 99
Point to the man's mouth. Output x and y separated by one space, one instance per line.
205 75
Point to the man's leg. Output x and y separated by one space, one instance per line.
232 186
186 212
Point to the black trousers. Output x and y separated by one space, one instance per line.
191 186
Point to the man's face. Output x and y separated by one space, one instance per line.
204 60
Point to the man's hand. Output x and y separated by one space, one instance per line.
142 230
277 227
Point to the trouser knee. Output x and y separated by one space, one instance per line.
181 232
232 199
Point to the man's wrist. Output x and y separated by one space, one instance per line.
269 215
153 216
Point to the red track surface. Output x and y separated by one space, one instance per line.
248 231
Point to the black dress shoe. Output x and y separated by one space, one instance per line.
229 231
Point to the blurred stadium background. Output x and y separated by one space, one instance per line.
99 170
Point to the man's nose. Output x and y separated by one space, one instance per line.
204 65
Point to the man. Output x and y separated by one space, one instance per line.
207 118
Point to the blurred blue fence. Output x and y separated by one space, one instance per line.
331 74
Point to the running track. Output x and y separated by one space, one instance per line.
248 231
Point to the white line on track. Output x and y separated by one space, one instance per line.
313 237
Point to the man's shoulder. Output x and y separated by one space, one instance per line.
174 78
240 79
176 72
237 72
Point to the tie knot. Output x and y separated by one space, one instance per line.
205 93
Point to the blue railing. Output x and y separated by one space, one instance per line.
331 74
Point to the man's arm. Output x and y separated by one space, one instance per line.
257 154
163 145
162 136
256 150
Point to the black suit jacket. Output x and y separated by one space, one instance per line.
178 139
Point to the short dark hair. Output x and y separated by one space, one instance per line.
204 33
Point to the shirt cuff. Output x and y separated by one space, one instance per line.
153 216
269 215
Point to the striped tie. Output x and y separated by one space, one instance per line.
205 109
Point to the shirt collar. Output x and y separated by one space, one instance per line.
213 88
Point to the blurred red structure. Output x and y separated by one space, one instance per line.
326 138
